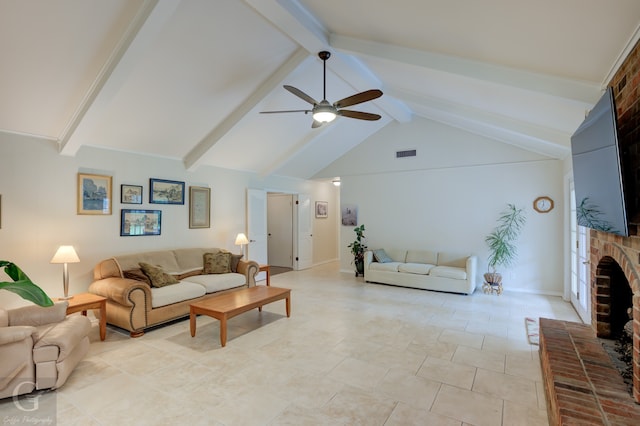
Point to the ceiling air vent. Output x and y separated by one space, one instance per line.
407 153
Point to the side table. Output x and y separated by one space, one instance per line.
84 301
266 269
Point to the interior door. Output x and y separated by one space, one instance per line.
580 265
257 227
280 229
304 247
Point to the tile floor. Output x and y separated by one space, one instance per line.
351 353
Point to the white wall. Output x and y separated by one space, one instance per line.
449 197
38 188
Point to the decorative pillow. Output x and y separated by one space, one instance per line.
158 277
217 263
189 274
235 258
381 256
138 275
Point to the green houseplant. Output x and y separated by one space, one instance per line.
502 249
22 285
358 248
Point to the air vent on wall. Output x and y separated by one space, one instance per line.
407 153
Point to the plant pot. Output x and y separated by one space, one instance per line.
493 278
359 267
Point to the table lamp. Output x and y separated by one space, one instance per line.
65 255
241 240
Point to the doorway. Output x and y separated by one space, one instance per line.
280 231
580 265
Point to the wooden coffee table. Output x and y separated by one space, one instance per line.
229 305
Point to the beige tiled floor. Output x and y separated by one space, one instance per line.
351 353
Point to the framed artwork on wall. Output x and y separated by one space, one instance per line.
135 223
199 207
94 194
166 191
131 194
322 209
349 215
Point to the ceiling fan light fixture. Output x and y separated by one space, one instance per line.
324 112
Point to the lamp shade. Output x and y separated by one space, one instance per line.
65 254
241 239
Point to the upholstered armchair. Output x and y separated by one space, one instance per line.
39 347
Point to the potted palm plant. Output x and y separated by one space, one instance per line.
22 285
358 248
502 249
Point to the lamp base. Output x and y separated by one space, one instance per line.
65 297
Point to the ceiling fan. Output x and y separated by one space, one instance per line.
324 112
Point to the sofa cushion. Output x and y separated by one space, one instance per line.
422 256
389 266
175 293
381 256
448 272
165 258
218 282
158 277
217 263
138 275
415 268
451 259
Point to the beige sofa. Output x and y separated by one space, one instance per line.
423 269
135 305
40 347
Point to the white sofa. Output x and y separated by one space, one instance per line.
423 269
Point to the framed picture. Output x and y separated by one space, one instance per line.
349 215
131 194
166 191
322 209
135 223
199 207
94 194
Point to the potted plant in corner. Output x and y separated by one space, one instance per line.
358 248
502 248
22 285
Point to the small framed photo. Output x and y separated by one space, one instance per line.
130 194
135 223
199 207
94 194
322 209
166 191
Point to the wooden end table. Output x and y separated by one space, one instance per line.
84 301
229 305
266 269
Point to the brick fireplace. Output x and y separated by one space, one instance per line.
610 256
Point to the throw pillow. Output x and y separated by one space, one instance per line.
138 275
158 277
217 263
235 258
381 256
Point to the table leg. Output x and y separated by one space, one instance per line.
288 305
192 323
103 320
223 331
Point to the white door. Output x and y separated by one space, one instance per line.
580 265
280 229
257 227
304 246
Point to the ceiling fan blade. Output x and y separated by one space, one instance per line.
299 93
358 98
359 115
316 124
306 111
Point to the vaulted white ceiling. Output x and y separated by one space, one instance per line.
188 79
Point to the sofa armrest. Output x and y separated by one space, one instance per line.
368 258
65 336
471 268
249 268
15 333
119 290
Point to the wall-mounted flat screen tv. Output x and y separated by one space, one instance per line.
597 173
